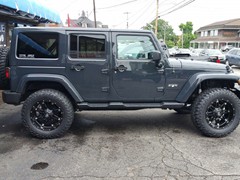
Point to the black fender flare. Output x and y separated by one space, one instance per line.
50 78
196 79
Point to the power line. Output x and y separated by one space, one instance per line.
174 6
144 10
177 8
118 5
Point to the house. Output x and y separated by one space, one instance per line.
218 35
84 22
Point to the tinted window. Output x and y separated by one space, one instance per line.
37 45
134 47
238 52
233 51
87 46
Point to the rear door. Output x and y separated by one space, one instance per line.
88 64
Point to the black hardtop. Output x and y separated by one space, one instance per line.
55 29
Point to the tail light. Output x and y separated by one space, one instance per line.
218 61
7 72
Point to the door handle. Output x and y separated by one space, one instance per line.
77 67
121 68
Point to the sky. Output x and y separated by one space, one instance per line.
114 13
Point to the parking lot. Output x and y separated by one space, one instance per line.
143 144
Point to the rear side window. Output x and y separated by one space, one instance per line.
37 45
87 46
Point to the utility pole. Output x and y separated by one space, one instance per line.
156 20
182 38
164 33
94 12
127 13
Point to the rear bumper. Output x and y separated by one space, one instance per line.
11 97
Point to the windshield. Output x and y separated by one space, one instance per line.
214 52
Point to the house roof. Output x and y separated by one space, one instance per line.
227 24
217 39
83 19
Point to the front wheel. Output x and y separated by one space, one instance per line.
47 114
216 112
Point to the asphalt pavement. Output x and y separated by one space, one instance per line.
143 144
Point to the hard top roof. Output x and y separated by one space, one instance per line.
80 29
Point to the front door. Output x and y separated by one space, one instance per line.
136 76
88 64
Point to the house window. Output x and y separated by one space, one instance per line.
205 33
212 33
202 33
216 33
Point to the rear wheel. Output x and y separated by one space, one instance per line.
216 112
47 114
3 65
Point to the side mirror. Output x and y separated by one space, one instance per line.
156 57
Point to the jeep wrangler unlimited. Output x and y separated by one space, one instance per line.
57 71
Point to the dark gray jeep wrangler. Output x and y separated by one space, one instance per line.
57 71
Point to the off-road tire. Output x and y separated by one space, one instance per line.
228 112
3 63
40 105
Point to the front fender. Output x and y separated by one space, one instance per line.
196 79
50 78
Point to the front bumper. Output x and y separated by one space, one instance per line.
11 97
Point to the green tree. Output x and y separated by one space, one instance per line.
187 32
165 32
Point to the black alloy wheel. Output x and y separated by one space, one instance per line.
46 115
220 113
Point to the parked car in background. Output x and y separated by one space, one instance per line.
233 57
197 51
226 48
214 55
172 51
186 51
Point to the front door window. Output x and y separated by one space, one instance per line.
134 47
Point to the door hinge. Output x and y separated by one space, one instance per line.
160 89
105 89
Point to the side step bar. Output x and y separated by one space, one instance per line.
127 106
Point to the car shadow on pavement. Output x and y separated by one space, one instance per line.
109 122
123 122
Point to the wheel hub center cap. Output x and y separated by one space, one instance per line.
218 112
48 112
